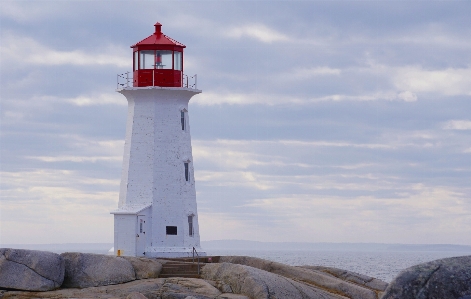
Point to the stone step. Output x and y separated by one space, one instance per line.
179 269
179 275
203 259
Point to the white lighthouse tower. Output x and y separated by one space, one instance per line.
157 214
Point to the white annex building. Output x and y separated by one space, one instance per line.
157 214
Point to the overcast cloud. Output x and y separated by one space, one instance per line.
319 121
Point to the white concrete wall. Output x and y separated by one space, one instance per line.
156 148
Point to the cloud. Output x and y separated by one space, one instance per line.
407 96
256 31
213 98
316 71
335 144
98 99
91 151
457 125
34 10
218 225
25 51
77 159
419 207
433 35
448 82
56 205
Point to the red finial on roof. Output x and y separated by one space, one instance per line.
158 28
158 41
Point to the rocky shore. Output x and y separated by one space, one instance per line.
40 274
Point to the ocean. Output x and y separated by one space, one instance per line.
384 265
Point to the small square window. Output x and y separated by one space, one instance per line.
172 230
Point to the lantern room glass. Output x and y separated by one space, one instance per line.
163 60
158 59
136 61
177 61
146 59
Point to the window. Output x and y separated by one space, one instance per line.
136 61
183 119
151 59
146 60
187 171
163 60
177 61
190 225
171 230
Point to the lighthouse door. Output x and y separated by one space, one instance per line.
141 235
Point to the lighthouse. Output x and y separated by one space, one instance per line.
157 212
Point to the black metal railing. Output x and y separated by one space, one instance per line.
198 257
190 82
125 80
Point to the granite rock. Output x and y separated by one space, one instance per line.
231 296
448 278
316 278
178 287
145 268
83 270
30 270
258 284
136 295
153 288
360 279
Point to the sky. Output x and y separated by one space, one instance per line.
319 121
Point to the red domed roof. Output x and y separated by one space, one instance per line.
158 38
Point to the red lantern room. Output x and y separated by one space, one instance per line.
158 61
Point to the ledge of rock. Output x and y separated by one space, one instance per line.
153 288
83 270
230 277
313 277
256 283
145 268
360 279
448 278
30 270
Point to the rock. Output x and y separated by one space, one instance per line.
84 270
190 287
220 285
316 278
231 296
255 283
356 278
136 295
445 278
145 268
154 288
30 270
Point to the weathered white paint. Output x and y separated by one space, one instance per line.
153 183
